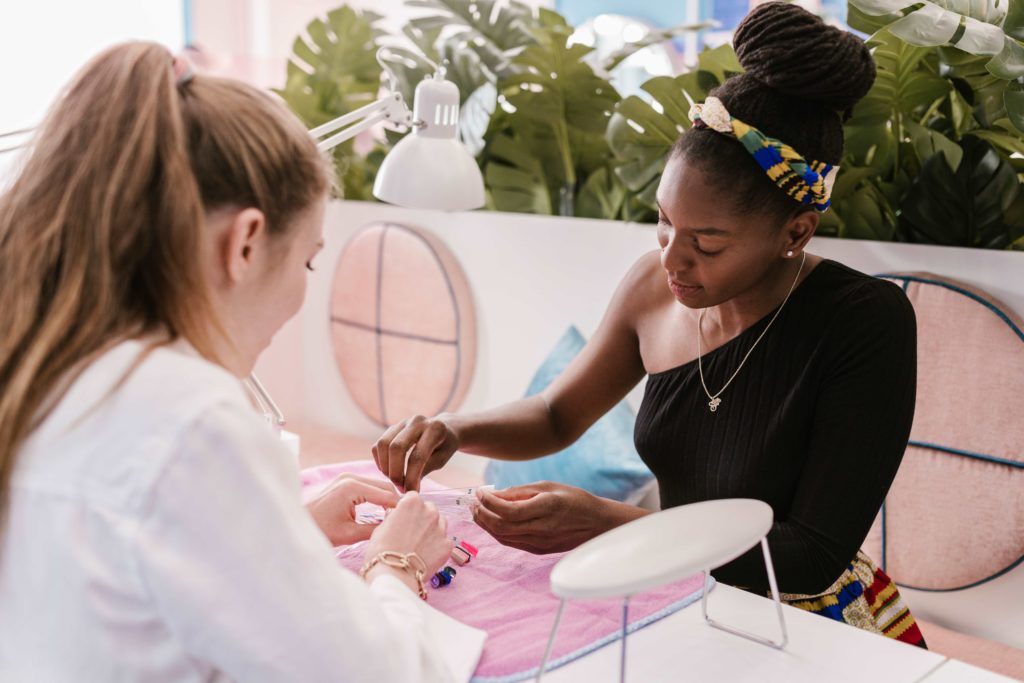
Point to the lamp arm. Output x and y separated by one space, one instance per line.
391 107
265 403
349 133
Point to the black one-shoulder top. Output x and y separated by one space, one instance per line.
815 424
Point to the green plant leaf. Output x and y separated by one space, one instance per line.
1014 218
1013 98
962 208
929 26
849 178
904 83
1002 136
869 24
927 143
495 29
973 27
515 178
559 107
1013 25
865 215
642 134
332 72
1009 62
985 93
872 145
602 195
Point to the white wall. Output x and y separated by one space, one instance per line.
531 278
43 43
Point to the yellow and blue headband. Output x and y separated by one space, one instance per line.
808 182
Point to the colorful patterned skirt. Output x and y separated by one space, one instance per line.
864 596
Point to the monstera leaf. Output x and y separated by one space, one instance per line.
642 134
331 73
865 214
905 82
476 42
518 184
993 28
557 109
496 30
968 207
335 70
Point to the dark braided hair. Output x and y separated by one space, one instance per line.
802 80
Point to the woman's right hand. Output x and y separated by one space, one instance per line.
415 447
413 526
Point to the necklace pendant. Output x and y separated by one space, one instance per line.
714 403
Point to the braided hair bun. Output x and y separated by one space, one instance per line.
785 47
801 82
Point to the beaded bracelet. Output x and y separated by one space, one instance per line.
401 561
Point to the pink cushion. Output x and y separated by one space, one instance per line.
952 520
987 654
402 322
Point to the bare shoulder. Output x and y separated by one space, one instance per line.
643 290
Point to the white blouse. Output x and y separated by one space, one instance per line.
155 533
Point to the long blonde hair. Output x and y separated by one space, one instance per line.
101 233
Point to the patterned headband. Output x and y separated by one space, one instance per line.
808 182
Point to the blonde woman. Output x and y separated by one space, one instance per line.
155 239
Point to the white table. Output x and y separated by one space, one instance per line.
955 671
682 648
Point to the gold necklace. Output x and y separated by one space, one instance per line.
715 401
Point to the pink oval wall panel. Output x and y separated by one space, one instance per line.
402 323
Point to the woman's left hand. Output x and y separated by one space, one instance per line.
546 517
334 510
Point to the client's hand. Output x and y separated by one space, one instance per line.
414 526
546 517
413 448
334 510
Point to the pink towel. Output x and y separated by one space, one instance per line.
506 593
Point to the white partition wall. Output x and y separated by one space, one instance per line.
532 277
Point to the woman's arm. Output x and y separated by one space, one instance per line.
861 425
596 380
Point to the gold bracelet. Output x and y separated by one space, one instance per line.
403 561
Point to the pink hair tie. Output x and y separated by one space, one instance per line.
183 72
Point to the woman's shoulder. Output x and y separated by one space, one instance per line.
644 287
860 303
848 288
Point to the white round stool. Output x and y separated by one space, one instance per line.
661 548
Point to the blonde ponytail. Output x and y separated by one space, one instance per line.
101 233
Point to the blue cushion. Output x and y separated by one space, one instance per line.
602 461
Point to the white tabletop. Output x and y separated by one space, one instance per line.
681 647
955 671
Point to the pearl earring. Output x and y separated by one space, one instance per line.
789 254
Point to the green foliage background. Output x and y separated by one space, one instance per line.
929 155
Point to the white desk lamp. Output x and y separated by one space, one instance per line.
428 169
661 548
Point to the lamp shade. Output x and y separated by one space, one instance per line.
429 168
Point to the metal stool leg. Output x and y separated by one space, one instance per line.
551 641
625 623
775 596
